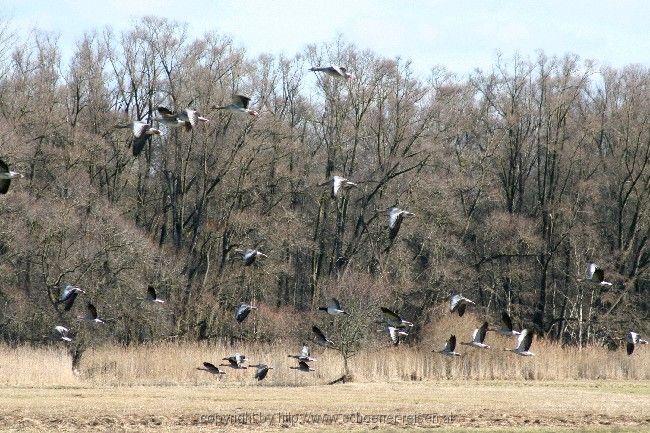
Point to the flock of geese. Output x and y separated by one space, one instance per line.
393 324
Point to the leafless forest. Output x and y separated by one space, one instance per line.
517 176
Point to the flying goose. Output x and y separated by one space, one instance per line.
186 118
394 319
304 354
320 338
211 368
506 329
395 334
239 105
152 297
458 303
5 177
449 347
91 315
632 340
337 183
235 361
242 311
395 217
333 71
333 308
596 275
303 366
62 333
262 370
142 133
478 336
68 295
249 255
524 341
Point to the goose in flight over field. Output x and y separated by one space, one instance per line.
68 295
449 347
142 133
394 319
262 371
596 275
524 341
242 311
478 337
249 255
458 303
320 338
211 368
6 176
333 71
239 105
333 308
152 297
507 328
303 366
186 118
304 354
91 315
62 333
396 334
395 217
632 339
235 361
337 183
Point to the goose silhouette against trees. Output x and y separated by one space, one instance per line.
303 366
211 368
239 105
249 255
235 361
506 328
91 315
242 311
395 218
632 339
595 274
478 337
262 371
449 347
6 176
333 308
68 296
142 133
61 333
320 338
186 118
333 71
524 342
305 354
458 303
394 319
152 297
337 184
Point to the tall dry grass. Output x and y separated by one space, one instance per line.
26 366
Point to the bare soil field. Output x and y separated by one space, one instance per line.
485 406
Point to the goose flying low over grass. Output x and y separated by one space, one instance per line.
186 118
68 296
304 354
333 71
91 315
595 274
632 339
242 311
394 319
524 342
506 329
142 133
449 347
6 176
249 255
333 308
152 297
478 337
396 334
62 333
395 218
235 361
239 105
338 183
458 303
211 368
320 338
303 366
262 371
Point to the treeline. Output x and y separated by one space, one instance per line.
518 176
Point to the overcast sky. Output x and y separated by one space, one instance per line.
459 35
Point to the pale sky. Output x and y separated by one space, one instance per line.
458 35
